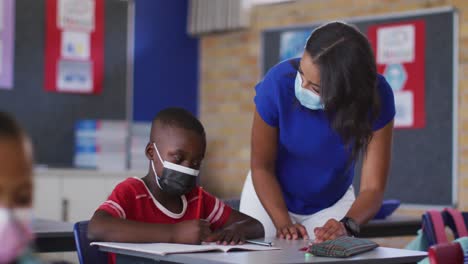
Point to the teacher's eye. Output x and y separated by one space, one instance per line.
313 88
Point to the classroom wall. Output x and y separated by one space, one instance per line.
230 68
166 59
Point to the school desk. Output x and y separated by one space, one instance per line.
53 236
290 253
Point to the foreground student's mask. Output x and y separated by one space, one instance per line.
15 232
175 179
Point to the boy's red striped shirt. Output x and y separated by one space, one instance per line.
132 200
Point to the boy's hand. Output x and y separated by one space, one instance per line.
230 235
191 231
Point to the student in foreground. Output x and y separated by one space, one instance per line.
165 205
16 188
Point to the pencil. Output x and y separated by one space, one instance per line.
200 198
261 243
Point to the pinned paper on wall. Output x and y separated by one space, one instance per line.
74 76
400 57
7 20
404 106
396 44
75 45
76 14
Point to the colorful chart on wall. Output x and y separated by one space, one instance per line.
400 57
74 46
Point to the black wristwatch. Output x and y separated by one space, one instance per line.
351 226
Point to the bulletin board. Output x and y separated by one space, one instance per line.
424 158
49 118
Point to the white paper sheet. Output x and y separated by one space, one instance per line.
404 106
170 248
75 45
76 14
396 44
73 76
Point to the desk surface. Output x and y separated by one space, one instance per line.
53 236
289 254
52 228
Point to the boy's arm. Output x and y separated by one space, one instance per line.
105 227
237 229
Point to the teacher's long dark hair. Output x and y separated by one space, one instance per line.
348 82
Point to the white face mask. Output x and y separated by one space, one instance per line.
307 98
175 179
16 229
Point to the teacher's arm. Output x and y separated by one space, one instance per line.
374 175
263 164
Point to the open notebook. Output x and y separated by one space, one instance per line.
170 248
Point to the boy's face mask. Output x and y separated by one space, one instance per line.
175 179
15 232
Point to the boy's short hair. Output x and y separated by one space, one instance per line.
9 128
180 118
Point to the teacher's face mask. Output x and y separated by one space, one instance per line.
306 97
175 179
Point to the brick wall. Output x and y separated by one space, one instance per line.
230 69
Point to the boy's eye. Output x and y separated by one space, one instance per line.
177 158
196 164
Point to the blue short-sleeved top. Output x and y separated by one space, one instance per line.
311 162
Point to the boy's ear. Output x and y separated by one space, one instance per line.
149 151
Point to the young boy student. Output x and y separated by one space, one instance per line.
16 187
166 205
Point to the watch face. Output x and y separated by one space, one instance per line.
353 225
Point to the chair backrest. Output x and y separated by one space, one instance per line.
434 223
233 203
86 253
434 227
457 221
446 253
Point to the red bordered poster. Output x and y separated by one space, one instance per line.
74 48
399 50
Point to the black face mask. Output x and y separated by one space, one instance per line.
175 179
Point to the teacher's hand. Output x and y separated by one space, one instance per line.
331 230
292 231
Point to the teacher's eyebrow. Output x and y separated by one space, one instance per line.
302 73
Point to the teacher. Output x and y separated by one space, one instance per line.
315 116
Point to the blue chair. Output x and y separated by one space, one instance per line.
86 253
233 203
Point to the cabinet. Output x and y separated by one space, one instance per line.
73 195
